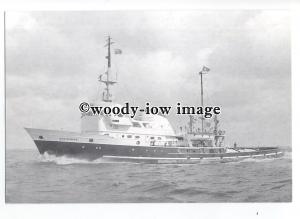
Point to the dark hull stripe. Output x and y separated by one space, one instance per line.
187 160
92 151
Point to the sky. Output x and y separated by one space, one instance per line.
53 60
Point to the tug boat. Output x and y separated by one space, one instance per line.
144 138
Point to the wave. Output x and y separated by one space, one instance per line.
253 160
64 160
277 187
283 181
192 191
287 155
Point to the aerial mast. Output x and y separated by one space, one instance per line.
106 96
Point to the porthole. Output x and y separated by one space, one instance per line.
138 142
132 149
82 147
41 137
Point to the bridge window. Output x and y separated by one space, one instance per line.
129 136
114 126
136 124
41 137
147 125
179 138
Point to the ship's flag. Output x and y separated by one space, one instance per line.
205 69
118 51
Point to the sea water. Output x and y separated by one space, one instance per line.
32 178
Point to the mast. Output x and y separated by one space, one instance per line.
191 122
203 71
106 96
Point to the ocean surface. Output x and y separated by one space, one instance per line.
32 178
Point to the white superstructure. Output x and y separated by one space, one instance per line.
143 129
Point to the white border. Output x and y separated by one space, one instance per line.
233 210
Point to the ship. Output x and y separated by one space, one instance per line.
144 138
